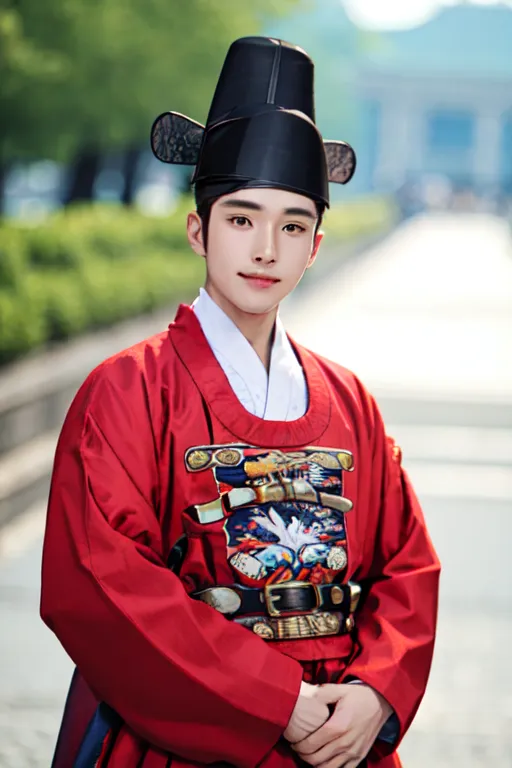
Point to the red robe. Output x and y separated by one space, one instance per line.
188 682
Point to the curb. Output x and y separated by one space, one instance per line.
35 395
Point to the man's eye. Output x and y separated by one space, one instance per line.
240 221
292 228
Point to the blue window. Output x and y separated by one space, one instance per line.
449 129
506 152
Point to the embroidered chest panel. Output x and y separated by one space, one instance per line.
282 513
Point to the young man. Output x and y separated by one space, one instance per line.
234 557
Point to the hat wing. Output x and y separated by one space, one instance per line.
341 161
176 139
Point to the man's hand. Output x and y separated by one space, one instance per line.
309 714
349 734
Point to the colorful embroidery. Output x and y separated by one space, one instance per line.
284 513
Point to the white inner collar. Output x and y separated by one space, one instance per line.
279 396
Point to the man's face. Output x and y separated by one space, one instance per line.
260 242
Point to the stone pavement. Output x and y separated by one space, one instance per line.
466 716
429 310
426 315
34 669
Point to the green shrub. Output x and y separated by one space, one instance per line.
356 218
58 299
21 326
53 247
13 259
90 266
87 267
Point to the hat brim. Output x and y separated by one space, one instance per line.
177 139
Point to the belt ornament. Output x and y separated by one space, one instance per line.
290 610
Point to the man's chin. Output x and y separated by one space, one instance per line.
255 307
246 301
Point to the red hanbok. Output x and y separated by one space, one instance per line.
156 444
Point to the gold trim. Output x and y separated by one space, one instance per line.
211 512
346 460
355 594
324 459
198 459
337 595
228 456
223 599
295 627
263 630
339 503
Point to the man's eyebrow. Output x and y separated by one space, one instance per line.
249 205
300 212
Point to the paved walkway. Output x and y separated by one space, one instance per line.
427 311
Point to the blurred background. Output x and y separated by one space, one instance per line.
412 290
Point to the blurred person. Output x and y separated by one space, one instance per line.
234 557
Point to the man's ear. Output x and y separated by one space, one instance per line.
316 245
195 233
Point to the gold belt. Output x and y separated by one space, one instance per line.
318 624
291 610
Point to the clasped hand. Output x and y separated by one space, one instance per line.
342 738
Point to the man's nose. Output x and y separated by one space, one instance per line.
265 250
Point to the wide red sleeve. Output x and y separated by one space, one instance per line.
179 674
396 625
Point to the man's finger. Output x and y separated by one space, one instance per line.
329 732
330 693
336 748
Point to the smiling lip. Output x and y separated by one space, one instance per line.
259 281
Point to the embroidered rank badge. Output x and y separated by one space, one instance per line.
283 512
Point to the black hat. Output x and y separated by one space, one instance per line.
261 126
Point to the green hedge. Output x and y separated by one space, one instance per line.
361 217
86 268
91 266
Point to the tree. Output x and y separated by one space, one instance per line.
27 68
85 76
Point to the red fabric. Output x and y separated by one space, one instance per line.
186 681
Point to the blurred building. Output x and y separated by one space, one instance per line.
437 99
432 103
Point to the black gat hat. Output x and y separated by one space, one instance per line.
261 127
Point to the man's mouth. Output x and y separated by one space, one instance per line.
258 278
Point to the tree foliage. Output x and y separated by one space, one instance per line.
77 73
